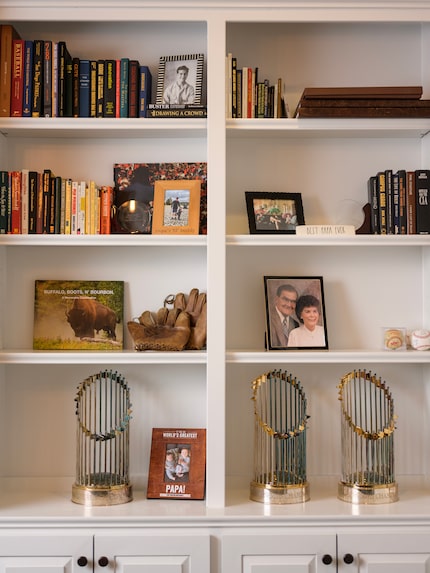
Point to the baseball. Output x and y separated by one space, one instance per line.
420 339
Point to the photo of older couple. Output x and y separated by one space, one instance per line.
295 313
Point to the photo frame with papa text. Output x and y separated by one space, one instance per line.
177 468
176 207
274 213
295 313
167 74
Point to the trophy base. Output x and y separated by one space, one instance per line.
368 494
101 495
279 495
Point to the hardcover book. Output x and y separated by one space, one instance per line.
78 315
17 86
422 191
7 35
178 464
37 88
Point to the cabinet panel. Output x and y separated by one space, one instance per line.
377 552
53 552
166 553
278 553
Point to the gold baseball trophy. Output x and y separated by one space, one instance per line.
279 440
102 441
367 438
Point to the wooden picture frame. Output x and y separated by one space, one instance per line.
295 313
177 468
186 68
274 213
176 207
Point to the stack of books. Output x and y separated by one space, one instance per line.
361 102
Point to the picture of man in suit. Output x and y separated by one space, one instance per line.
281 315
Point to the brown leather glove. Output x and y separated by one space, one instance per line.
169 330
196 308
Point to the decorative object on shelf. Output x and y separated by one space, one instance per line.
78 315
367 438
295 313
177 468
103 412
420 339
273 213
395 338
180 79
132 208
182 327
325 230
176 207
126 175
280 439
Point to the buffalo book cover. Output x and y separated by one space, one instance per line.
177 467
78 315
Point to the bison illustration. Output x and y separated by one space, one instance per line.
87 316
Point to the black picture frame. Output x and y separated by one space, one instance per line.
167 73
295 298
272 213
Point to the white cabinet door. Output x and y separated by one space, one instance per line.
127 552
270 552
396 552
22 552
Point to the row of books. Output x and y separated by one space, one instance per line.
250 97
399 202
40 78
362 102
33 202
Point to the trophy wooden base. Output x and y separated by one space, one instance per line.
279 495
368 494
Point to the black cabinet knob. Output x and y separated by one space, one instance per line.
103 561
82 561
348 558
327 559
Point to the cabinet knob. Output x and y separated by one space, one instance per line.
103 561
348 558
327 559
82 561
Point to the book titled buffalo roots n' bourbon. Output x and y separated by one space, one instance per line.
177 466
78 315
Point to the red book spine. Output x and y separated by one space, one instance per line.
16 203
17 85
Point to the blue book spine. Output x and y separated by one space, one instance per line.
84 88
123 88
28 79
145 90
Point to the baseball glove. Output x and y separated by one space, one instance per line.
196 308
169 330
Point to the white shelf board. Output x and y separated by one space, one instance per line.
328 357
329 127
45 502
121 357
79 127
126 240
279 240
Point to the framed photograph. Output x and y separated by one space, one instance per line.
180 80
78 315
177 468
295 313
270 213
176 207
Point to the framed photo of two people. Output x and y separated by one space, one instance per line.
295 313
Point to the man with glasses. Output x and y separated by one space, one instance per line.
281 316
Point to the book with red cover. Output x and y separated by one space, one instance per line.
17 84
7 34
133 89
16 202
